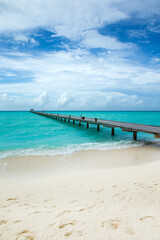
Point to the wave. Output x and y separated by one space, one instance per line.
69 149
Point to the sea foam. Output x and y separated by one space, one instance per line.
69 149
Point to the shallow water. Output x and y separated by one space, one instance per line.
25 133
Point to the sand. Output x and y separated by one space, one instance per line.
91 195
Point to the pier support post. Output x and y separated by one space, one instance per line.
73 122
79 123
68 120
98 127
134 136
87 125
61 119
64 119
157 135
112 132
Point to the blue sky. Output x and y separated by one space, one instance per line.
80 55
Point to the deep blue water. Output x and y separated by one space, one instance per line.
27 133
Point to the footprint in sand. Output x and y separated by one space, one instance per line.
146 217
17 221
98 191
130 230
47 200
67 234
34 213
66 224
73 201
3 222
51 225
111 223
87 208
53 206
65 211
155 183
25 235
12 199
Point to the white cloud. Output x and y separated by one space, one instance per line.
121 100
95 40
76 20
74 72
137 33
57 77
64 99
21 37
149 76
155 60
42 99
69 18
4 96
34 42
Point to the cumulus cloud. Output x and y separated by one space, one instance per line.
121 100
42 99
64 99
80 74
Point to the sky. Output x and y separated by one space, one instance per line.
80 55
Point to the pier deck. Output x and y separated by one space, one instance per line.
125 126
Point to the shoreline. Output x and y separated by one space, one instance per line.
33 166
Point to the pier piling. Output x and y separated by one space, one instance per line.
112 132
134 136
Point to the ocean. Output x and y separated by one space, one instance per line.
25 133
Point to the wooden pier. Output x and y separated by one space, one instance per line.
125 126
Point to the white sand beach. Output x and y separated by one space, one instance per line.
92 195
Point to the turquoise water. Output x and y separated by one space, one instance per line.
25 133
